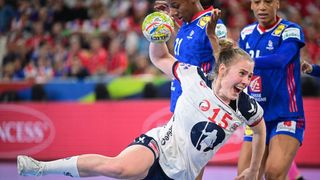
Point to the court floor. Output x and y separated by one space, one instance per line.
8 171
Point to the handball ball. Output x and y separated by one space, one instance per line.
157 27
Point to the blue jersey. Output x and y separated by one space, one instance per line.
276 82
192 46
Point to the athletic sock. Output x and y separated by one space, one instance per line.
66 166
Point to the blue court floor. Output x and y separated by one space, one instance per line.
8 171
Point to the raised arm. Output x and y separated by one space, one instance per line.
161 58
210 30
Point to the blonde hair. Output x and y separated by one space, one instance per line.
227 56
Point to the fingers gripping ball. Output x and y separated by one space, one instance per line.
157 27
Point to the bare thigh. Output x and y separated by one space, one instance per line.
282 150
137 159
132 163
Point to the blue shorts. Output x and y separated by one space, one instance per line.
155 171
292 128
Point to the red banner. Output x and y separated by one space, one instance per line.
55 130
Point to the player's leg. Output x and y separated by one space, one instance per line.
285 140
133 162
282 150
294 173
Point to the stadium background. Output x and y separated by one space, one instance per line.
75 77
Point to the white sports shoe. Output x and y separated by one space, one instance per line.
28 166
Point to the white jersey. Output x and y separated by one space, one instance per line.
201 124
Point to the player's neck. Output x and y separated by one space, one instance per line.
266 27
218 91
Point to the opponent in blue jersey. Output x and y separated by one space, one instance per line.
275 45
192 45
311 69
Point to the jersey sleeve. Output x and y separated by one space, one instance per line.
184 73
292 41
293 33
250 109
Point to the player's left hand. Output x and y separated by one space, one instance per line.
306 67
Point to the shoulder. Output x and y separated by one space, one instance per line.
292 30
182 71
248 106
247 30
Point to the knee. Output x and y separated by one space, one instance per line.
274 173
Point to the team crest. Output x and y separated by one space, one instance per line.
203 21
278 31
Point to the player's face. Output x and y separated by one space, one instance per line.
182 10
236 78
265 11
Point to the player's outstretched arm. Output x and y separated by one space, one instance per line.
258 147
161 58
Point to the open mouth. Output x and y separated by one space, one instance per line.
237 89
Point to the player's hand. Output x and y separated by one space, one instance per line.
248 174
306 67
162 6
211 26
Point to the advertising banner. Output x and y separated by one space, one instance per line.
54 130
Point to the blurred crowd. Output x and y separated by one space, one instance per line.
45 39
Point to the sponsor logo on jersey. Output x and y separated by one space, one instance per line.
291 33
270 45
286 126
247 30
167 136
204 105
255 84
278 30
203 21
235 126
205 136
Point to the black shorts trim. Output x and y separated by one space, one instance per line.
148 142
156 172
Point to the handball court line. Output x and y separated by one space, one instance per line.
8 171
